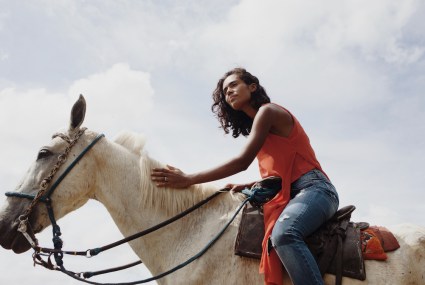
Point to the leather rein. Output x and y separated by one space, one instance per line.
44 195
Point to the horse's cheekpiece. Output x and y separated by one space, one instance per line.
263 191
335 245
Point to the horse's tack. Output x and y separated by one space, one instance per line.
58 252
46 181
24 225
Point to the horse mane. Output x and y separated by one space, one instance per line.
131 141
168 200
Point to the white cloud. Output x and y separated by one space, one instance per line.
261 33
116 98
376 28
377 214
16 105
118 90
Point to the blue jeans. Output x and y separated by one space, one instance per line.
313 201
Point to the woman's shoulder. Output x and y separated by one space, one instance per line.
273 107
283 121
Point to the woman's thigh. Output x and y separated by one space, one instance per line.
308 210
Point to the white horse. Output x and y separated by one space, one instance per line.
117 174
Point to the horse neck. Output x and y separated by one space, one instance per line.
125 188
117 183
135 204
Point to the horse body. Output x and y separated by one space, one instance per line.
118 175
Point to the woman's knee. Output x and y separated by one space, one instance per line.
284 236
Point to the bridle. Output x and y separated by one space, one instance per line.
44 195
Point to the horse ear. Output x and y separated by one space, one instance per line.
77 114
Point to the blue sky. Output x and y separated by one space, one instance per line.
352 72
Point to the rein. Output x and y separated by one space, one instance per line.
44 195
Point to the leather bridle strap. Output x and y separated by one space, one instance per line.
45 197
188 261
95 251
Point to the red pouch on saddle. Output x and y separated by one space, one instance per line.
371 245
387 239
376 241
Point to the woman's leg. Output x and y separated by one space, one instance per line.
306 212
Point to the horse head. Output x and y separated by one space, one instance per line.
51 162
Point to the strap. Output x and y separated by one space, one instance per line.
190 260
71 166
22 195
339 260
90 274
341 233
45 197
95 251
58 254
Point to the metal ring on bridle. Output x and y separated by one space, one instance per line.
165 178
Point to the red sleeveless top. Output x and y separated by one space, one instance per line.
288 157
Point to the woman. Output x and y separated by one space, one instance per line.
275 137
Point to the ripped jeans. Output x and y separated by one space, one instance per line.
313 201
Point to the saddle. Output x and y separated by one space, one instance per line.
336 245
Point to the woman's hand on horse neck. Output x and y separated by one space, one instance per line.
268 118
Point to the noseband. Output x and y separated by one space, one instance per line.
44 194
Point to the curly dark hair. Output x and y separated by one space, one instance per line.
229 118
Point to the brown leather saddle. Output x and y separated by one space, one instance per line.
335 245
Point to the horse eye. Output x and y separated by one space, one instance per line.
43 153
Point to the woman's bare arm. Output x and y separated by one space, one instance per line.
266 117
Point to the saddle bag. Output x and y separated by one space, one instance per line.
251 233
251 228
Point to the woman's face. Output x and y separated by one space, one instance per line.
237 93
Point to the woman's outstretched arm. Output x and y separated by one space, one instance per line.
265 118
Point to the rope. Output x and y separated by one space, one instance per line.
96 251
190 260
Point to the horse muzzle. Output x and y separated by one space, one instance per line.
11 238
